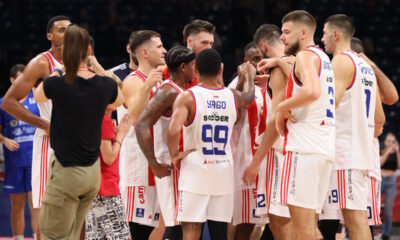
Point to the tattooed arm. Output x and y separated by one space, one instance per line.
160 104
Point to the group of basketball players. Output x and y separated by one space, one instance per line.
281 146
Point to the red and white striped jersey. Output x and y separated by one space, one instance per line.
134 168
355 118
160 131
46 107
314 131
209 169
244 134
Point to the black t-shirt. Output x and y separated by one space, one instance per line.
391 162
77 115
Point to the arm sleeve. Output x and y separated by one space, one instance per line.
107 129
49 86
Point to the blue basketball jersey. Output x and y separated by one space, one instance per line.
20 132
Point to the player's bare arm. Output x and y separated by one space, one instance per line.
181 113
160 104
285 63
379 116
343 69
110 148
307 67
245 97
278 85
137 92
388 91
37 69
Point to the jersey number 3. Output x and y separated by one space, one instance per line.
214 139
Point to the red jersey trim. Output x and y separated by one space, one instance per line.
54 56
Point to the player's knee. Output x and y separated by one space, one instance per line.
17 201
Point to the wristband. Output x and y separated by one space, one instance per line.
59 71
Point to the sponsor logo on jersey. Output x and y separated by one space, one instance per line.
141 194
156 216
140 212
215 117
218 161
14 123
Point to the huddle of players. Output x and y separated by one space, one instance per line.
184 137
328 116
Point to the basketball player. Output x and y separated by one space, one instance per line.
208 113
389 96
309 139
267 38
197 35
139 189
17 139
243 145
155 119
38 69
358 103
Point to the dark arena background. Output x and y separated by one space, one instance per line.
110 22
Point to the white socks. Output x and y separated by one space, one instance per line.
19 237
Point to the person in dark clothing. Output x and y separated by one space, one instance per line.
79 98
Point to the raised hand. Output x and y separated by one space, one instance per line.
155 77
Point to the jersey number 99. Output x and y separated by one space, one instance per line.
214 139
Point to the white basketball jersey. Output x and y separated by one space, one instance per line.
134 168
355 118
314 131
46 107
244 134
209 169
376 167
160 131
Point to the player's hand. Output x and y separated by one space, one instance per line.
161 170
261 80
123 127
281 117
155 77
95 66
177 158
250 173
11 144
47 129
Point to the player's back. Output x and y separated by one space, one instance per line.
355 118
314 130
209 170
